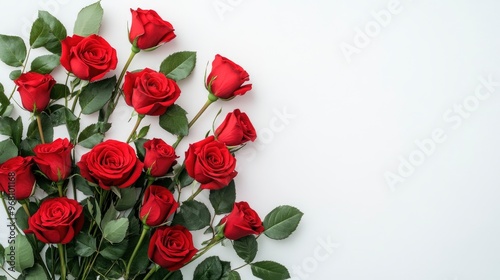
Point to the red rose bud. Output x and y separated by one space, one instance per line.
210 163
159 157
54 159
88 58
150 92
111 163
226 79
236 129
34 89
16 177
149 30
57 221
157 206
241 222
171 247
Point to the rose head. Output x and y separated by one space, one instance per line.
150 92
157 206
34 89
226 79
57 221
16 177
171 247
210 163
149 29
241 222
111 163
159 157
88 58
54 159
236 129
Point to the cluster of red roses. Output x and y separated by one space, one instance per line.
113 164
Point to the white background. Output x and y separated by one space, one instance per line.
333 125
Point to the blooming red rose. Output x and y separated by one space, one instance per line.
236 129
16 177
226 79
158 204
149 29
111 163
150 92
241 222
210 163
88 58
159 157
34 89
54 159
171 247
58 220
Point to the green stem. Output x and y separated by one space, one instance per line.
40 128
60 188
144 232
239 267
205 249
73 107
151 272
136 126
25 207
211 99
197 192
62 260
10 215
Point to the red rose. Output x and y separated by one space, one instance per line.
16 177
158 204
241 222
171 247
210 163
54 159
226 79
236 129
111 163
88 58
150 92
57 221
34 89
159 157
149 29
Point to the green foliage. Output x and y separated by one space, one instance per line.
178 66
281 222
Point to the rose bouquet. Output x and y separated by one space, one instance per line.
120 210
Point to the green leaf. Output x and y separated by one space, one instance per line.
269 270
184 179
162 273
139 147
208 269
107 269
12 50
95 95
90 136
109 216
23 252
223 199
47 128
15 74
21 218
27 146
2 255
45 64
127 200
114 251
73 127
232 275
82 185
141 260
178 66
59 91
116 230
143 132
89 20
86 245
35 273
12 128
281 222
193 215
56 27
246 248
8 150
60 115
175 121
40 33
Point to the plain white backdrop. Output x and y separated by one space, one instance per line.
379 119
